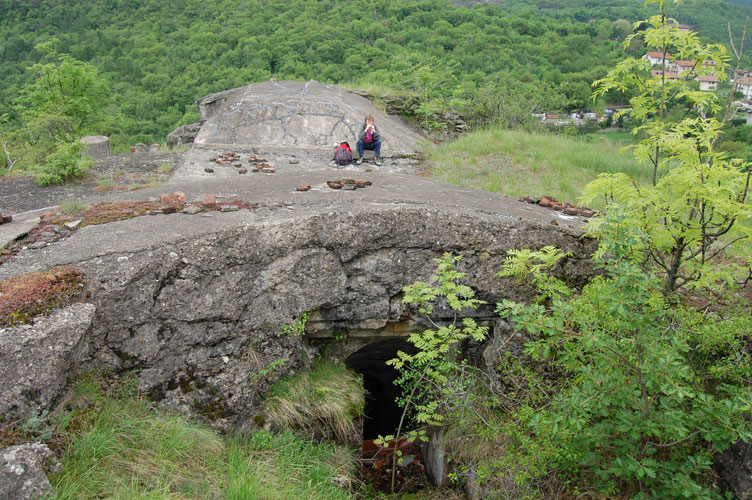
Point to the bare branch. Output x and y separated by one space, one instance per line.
7 156
728 114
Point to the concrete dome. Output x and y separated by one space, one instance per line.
295 114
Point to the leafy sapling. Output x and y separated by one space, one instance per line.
432 378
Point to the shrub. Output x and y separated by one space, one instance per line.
33 294
63 165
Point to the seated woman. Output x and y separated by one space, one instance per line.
369 138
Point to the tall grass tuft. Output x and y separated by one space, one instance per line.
321 403
520 163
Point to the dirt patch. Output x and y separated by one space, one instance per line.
121 172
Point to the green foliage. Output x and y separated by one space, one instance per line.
296 328
63 97
277 363
63 165
697 206
434 381
39 426
159 57
653 389
25 297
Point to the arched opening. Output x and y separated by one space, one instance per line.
382 414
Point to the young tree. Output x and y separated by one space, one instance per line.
64 99
435 384
653 387
697 209
62 103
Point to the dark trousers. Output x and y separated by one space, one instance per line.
371 146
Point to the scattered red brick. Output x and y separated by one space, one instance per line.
303 187
566 207
209 199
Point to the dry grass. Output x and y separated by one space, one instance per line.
519 163
321 403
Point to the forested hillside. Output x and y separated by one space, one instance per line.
158 56
708 17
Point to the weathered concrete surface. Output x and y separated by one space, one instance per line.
96 146
735 467
197 304
20 227
22 472
35 360
182 135
296 114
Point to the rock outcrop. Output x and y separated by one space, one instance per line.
35 360
22 472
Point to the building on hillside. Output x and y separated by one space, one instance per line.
656 58
680 68
744 110
681 27
743 84
708 82
657 73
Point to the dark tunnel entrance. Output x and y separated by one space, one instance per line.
382 414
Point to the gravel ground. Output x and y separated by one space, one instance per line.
127 171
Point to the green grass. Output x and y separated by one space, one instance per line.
71 206
519 163
121 447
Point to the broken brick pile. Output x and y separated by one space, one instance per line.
348 184
5 218
259 164
226 158
564 207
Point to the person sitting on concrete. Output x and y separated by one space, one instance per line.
369 138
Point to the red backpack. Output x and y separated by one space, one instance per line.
343 154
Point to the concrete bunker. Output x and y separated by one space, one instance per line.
298 115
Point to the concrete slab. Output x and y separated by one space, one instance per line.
19 228
300 115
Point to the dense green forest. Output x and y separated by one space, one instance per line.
158 57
